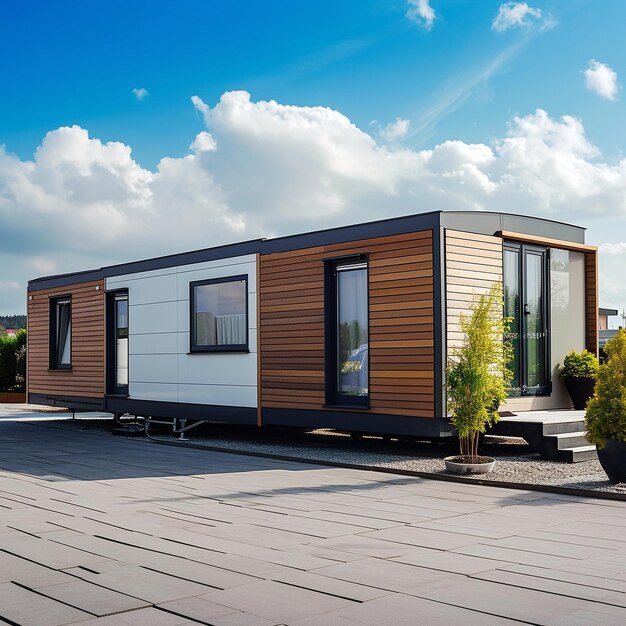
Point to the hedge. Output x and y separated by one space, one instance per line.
13 362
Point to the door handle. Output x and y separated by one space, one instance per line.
526 310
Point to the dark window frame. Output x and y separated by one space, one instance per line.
54 357
523 249
111 357
333 397
237 348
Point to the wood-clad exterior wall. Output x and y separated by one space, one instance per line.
85 379
473 264
591 301
401 325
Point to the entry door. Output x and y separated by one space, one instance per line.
117 357
526 283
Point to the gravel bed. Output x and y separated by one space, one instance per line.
515 462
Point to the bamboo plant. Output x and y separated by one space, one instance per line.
478 376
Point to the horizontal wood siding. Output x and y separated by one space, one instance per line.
401 344
591 301
86 378
473 264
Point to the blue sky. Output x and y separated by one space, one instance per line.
456 77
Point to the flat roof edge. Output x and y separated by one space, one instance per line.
482 222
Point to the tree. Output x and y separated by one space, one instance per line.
478 374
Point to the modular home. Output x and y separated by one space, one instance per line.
348 328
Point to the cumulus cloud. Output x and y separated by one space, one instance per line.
140 93
420 12
395 131
518 15
265 168
602 80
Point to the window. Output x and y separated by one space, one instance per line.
347 331
219 315
61 333
526 303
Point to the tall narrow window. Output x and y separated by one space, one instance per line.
219 315
121 342
347 355
60 333
526 303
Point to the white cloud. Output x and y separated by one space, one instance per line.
140 93
264 168
395 131
421 13
602 80
518 15
9 285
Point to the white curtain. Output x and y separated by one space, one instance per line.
231 329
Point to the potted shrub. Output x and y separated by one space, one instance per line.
477 378
579 372
606 411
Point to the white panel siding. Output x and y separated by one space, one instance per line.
153 391
153 368
161 317
154 289
154 343
161 367
217 369
213 394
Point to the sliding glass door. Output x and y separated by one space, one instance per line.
526 303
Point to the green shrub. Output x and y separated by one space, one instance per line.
13 362
577 364
477 376
606 412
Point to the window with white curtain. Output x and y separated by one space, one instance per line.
61 333
219 315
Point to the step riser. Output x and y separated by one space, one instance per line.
578 457
563 443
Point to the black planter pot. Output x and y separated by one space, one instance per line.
613 460
580 390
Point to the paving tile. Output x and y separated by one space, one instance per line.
548 585
510 555
424 537
92 598
403 610
33 575
197 608
48 553
275 601
152 617
447 561
609 584
551 547
363 545
504 600
386 575
586 617
241 618
330 586
139 582
21 606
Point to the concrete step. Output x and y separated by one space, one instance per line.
570 440
569 426
578 454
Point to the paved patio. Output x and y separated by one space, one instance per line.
130 532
